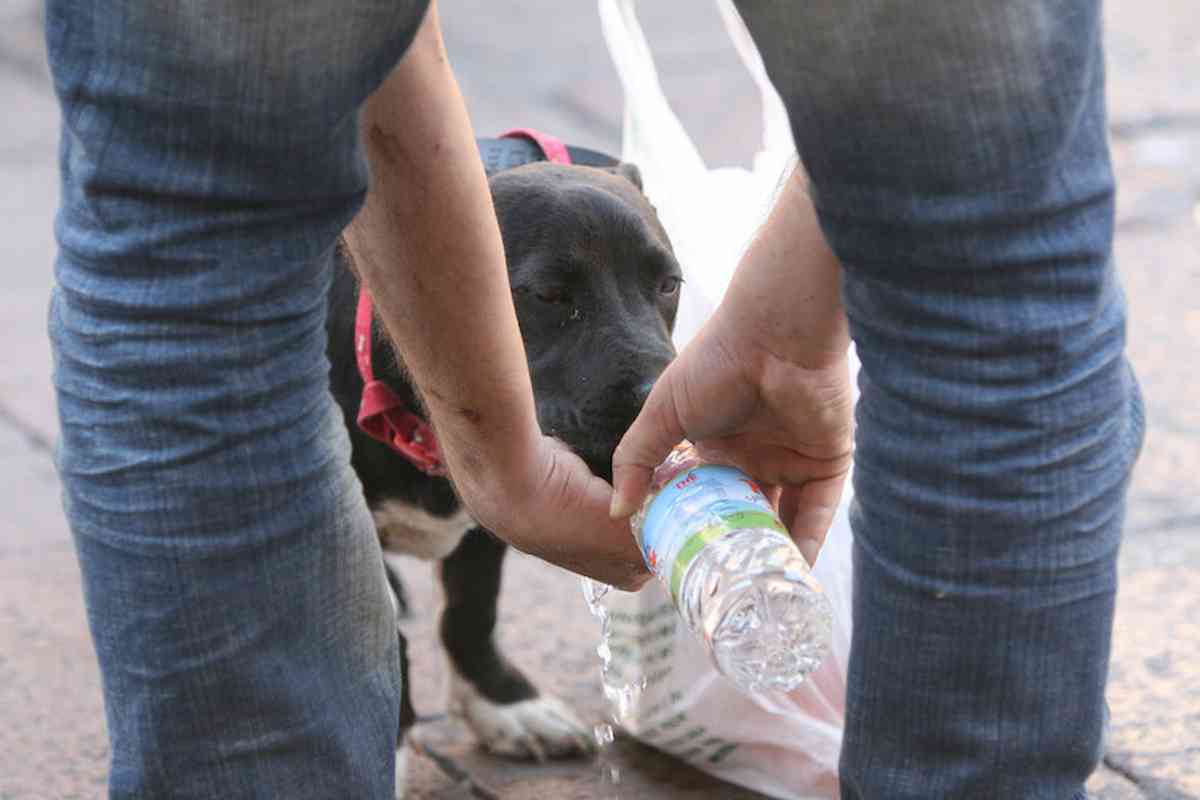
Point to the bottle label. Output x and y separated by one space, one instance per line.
694 508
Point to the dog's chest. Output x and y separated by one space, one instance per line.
404 528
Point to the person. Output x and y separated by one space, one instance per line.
955 162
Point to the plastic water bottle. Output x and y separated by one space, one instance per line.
736 577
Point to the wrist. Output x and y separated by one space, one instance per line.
493 471
756 333
493 457
489 437
786 297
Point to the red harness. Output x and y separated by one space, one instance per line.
384 416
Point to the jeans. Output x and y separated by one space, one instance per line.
232 575
957 158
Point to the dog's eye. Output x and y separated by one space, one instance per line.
670 286
553 295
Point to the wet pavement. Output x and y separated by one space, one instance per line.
524 63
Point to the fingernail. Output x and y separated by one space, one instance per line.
620 508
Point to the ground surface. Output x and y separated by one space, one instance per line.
520 63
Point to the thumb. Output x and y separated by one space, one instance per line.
649 439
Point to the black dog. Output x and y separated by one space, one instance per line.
596 288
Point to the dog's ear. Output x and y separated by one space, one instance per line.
629 172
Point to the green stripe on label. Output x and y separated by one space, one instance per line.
689 550
753 519
728 524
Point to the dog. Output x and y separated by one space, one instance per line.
596 288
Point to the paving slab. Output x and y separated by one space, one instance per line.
52 734
1153 48
1154 685
526 64
28 199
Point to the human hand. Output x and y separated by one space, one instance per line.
789 426
544 501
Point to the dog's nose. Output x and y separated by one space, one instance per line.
641 392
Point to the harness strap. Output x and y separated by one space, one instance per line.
516 150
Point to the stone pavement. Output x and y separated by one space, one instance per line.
525 63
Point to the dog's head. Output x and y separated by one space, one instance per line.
596 287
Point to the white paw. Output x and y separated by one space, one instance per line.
401 771
540 728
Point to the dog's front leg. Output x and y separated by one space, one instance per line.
505 710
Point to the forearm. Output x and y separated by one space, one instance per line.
428 247
786 294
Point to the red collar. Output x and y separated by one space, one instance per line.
553 149
384 416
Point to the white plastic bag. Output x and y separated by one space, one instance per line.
786 745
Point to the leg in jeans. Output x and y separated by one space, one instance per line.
958 163
234 585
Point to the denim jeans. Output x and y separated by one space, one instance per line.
232 575
958 161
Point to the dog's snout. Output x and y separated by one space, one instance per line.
631 394
641 392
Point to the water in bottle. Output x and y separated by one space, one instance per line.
736 577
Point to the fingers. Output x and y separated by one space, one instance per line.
629 580
631 485
573 504
549 504
656 430
612 557
808 511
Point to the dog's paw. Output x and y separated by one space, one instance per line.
539 728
